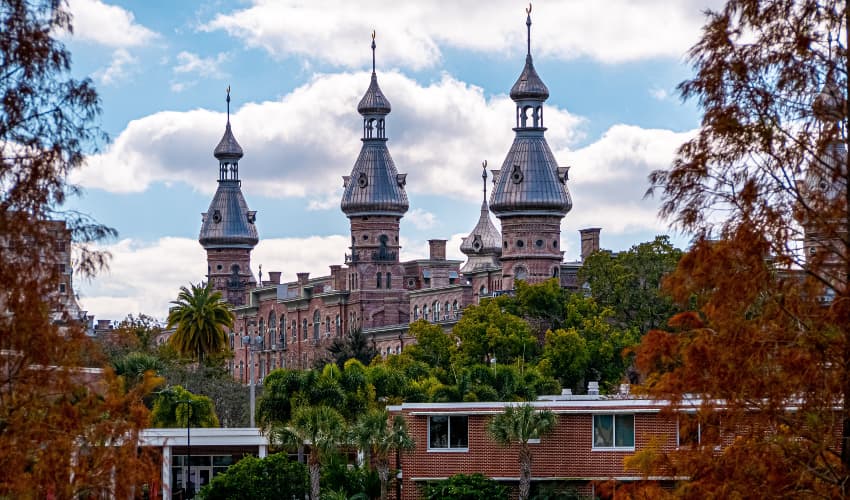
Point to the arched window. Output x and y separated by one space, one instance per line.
304 329
261 331
317 321
425 312
294 330
378 285
232 341
454 307
389 280
338 325
327 325
520 273
241 371
415 313
482 291
272 328
447 311
436 307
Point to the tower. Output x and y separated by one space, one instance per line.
530 195
228 233
482 246
374 201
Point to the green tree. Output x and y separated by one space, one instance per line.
519 424
629 283
132 367
486 332
200 316
251 478
378 437
540 304
464 487
229 397
433 346
354 345
177 407
322 427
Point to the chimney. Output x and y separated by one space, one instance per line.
593 388
302 278
589 241
437 249
337 277
274 277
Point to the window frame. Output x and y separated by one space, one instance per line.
613 447
448 448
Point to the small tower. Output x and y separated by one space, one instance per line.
228 233
374 201
530 196
823 196
482 246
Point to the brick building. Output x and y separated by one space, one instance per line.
592 436
373 289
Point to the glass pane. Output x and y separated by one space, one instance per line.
459 429
177 459
222 460
176 477
603 427
625 431
439 431
199 461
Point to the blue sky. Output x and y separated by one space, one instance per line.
297 71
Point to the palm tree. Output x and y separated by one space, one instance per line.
323 428
376 438
200 316
519 424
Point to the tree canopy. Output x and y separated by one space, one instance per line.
763 187
200 316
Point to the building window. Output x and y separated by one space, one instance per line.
614 431
304 329
327 325
448 432
232 341
317 322
378 284
294 330
415 313
447 311
338 324
62 287
425 312
389 280
436 307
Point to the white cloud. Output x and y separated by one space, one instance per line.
421 218
411 34
109 25
302 145
659 94
188 62
609 178
119 69
145 277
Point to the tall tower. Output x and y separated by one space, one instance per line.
530 195
228 233
824 197
374 201
482 246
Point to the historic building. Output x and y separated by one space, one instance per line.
373 289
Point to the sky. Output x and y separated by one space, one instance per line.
297 70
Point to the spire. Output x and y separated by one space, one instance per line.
528 27
484 244
529 86
228 152
373 102
484 179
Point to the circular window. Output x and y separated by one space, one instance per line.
365 236
218 267
539 243
362 180
520 243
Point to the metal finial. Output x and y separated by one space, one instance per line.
484 178
373 51
228 104
528 25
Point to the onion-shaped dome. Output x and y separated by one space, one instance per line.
484 238
529 85
228 222
228 148
374 102
374 187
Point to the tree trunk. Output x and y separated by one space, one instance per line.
384 476
524 471
315 475
845 293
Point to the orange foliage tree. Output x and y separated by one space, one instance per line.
65 430
764 342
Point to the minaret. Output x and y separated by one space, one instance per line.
530 196
483 245
228 233
374 201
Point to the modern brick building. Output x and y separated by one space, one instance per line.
373 288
